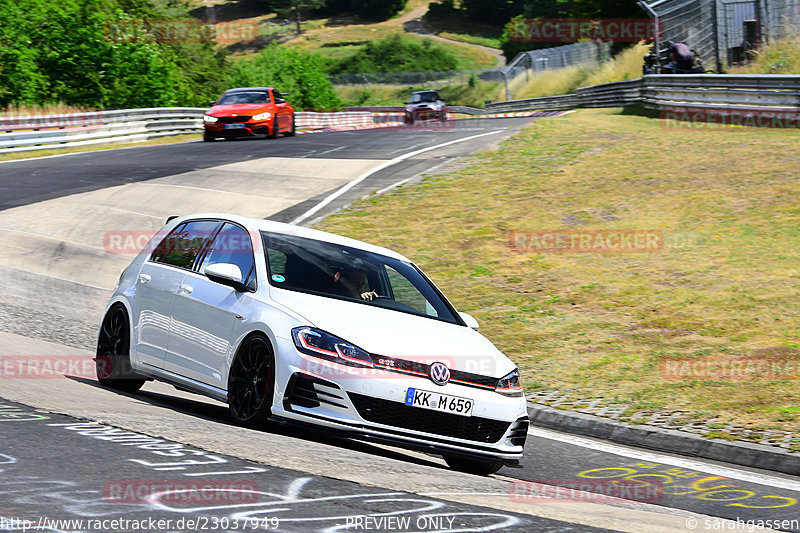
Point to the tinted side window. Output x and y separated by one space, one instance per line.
181 247
233 245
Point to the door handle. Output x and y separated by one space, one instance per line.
186 288
144 278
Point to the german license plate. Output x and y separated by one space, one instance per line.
233 126
439 402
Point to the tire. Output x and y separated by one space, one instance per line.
473 466
251 382
112 361
274 133
292 132
208 138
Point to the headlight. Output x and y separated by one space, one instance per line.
262 116
510 384
316 342
209 118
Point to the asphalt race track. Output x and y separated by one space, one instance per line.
71 450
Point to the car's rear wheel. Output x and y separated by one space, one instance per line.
473 466
112 360
251 382
291 132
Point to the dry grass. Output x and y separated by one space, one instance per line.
725 284
550 82
782 57
627 65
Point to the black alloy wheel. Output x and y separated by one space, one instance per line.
251 382
112 360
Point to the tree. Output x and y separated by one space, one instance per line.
288 70
293 9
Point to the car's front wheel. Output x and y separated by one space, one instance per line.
112 360
251 382
208 138
473 466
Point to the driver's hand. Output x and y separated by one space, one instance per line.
369 295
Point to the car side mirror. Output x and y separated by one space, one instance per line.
226 274
285 94
469 320
212 103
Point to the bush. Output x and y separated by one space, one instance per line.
288 70
397 54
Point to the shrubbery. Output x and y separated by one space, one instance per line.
298 73
397 54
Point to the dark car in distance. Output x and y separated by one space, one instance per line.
425 105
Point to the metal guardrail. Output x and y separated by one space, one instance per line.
765 92
22 134
707 92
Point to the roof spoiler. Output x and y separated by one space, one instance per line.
171 218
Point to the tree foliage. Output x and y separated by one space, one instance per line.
95 53
366 9
288 70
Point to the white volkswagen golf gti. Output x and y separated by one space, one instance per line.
292 324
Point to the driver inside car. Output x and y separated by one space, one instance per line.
353 283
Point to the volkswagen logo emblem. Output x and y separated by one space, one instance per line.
439 373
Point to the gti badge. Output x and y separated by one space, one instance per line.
439 373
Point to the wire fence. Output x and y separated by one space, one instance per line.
721 32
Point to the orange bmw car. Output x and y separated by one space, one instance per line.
248 111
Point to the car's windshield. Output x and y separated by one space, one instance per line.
423 97
345 273
244 98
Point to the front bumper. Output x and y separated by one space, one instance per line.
250 128
370 404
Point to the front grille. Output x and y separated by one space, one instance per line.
401 415
405 366
232 120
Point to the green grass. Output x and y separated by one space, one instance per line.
725 285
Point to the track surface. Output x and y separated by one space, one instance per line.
65 472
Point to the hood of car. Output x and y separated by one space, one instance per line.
238 109
399 335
